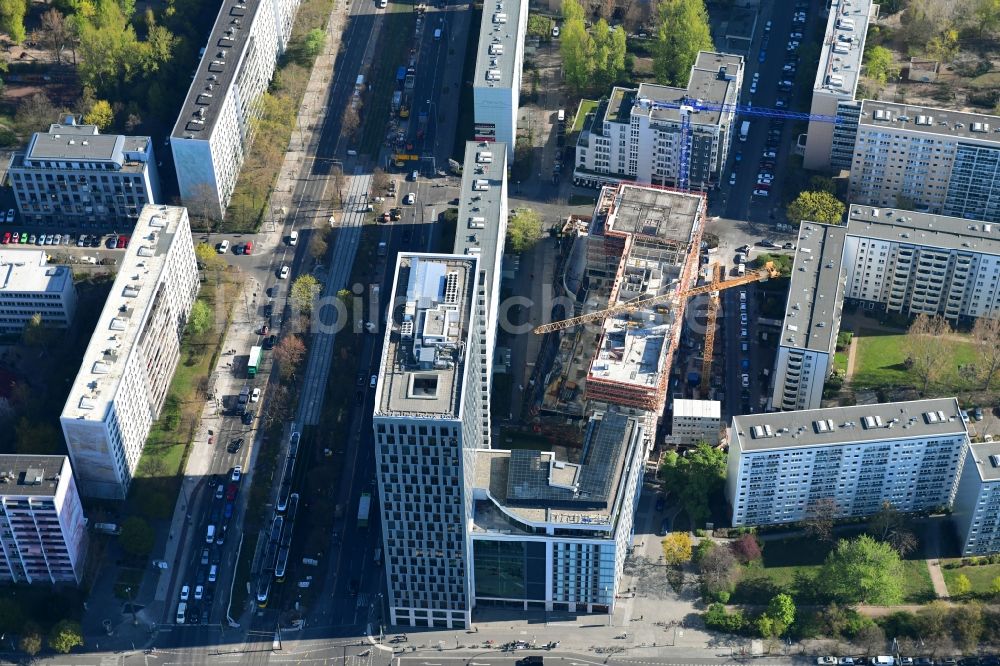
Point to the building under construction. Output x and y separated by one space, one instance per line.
642 242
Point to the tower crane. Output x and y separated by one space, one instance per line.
769 271
713 313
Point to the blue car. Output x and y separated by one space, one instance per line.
762 56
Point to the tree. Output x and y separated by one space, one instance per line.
719 570
350 121
34 113
822 184
37 332
781 609
576 47
317 244
923 349
100 114
12 13
54 33
694 477
818 206
208 257
65 636
313 44
200 321
985 15
608 54
35 437
995 587
879 65
288 353
962 586
704 547
890 526
137 537
746 549
523 230
380 180
863 570
871 637
31 639
682 32
676 548
304 292
986 337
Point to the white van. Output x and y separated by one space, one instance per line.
561 115
210 536
223 247
181 612
883 661
293 238
741 270
437 34
213 573
378 556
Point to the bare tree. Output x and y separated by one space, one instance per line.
719 570
380 181
986 336
338 183
820 515
350 121
54 33
923 349
871 638
890 526
203 206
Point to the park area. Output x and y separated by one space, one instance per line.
881 362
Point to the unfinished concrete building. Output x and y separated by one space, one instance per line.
642 243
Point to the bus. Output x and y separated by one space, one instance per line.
364 507
254 363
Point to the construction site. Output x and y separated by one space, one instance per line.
628 272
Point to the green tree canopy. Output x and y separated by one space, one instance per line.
694 477
863 570
523 230
12 14
682 32
31 639
137 537
304 292
879 65
576 47
608 54
100 114
65 636
781 609
816 207
200 321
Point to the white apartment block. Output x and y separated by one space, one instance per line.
976 513
782 464
482 215
29 285
552 534
926 159
635 135
130 361
215 127
829 144
812 318
696 421
43 537
74 176
427 426
497 84
919 263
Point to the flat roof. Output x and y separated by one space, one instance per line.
618 106
213 79
814 294
499 43
83 143
987 457
656 213
425 351
30 475
481 203
537 487
29 271
858 424
931 120
927 229
714 78
697 409
843 47
128 306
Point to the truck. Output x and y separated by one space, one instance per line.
359 84
253 363
397 100
400 77
744 130
364 508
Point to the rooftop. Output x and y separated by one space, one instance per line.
481 202
29 271
224 51
987 457
913 228
423 359
843 47
930 120
22 475
715 78
939 417
536 487
499 43
129 304
658 214
619 105
698 409
814 294
68 141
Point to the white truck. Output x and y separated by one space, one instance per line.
744 130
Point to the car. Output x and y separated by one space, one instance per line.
788 246
745 364
81 241
765 175
796 36
185 593
785 86
255 395
732 179
756 75
745 379
923 661
762 56
845 661
31 239
269 309
977 413
269 341
744 346
789 67
764 186
660 502
743 306
827 661
373 381
753 87
95 241
743 297
781 103
120 242
409 198
238 249
769 154
263 330
760 193
360 381
199 592
555 31
744 333
222 247
738 157
247 418
111 242
248 248
220 491
396 214
57 239
792 45
10 216
283 273
231 491
767 27
6 238
16 238
414 175
49 239
236 474
766 180
743 318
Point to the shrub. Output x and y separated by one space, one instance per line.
746 549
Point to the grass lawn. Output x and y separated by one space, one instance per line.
586 106
981 577
881 361
128 578
840 362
